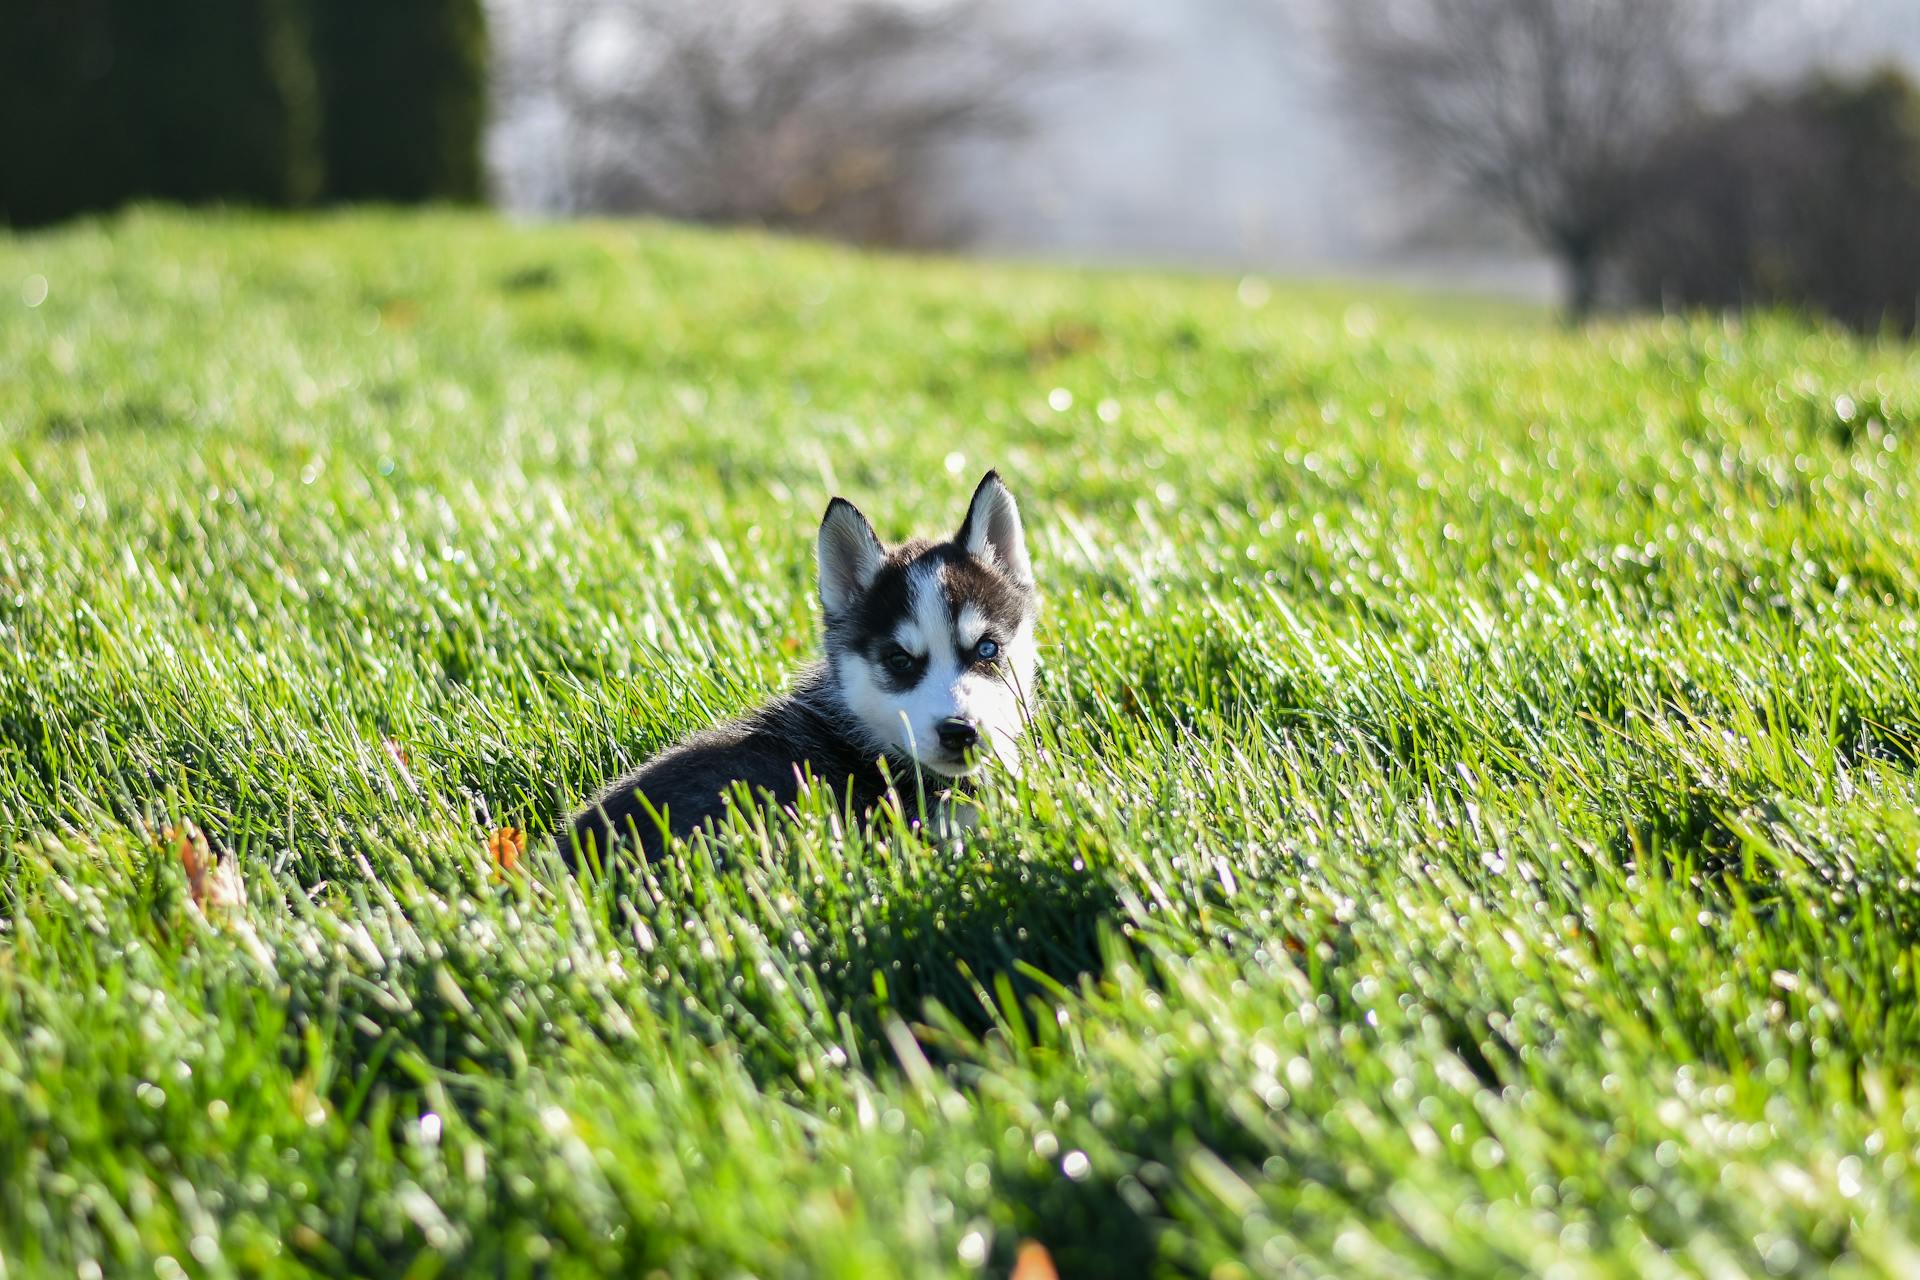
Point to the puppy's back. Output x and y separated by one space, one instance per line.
769 752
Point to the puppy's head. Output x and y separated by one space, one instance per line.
932 642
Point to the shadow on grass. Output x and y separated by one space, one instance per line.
1017 927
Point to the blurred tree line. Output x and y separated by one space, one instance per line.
1612 133
835 118
1801 197
268 102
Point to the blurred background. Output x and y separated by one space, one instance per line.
1600 154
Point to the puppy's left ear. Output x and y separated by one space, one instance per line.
992 530
849 554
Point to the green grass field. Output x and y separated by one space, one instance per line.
1475 833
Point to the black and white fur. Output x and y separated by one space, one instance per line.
929 664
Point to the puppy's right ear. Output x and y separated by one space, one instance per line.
850 555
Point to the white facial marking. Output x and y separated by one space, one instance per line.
970 626
1001 699
869 702
917 712
928 605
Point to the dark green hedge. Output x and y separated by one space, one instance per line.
269 102
102 101
405 84
219 96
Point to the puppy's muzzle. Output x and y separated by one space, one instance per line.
957 736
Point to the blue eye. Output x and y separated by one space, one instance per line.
986 650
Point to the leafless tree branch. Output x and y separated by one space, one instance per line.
819 115
1543 109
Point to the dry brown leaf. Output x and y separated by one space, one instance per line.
307 1101
215 885
1033 1262
506 848
402 762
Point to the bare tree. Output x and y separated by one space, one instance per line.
1543 109
821 115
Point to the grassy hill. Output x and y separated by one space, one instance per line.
1474 834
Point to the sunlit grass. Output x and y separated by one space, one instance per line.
1473 830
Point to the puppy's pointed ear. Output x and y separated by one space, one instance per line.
850 555
992 530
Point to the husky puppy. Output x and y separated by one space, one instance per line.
929 664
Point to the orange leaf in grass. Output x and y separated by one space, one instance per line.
212 883
402 762
1033 1262
505 849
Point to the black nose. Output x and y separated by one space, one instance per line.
957 735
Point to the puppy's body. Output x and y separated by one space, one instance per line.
929 663
770 750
